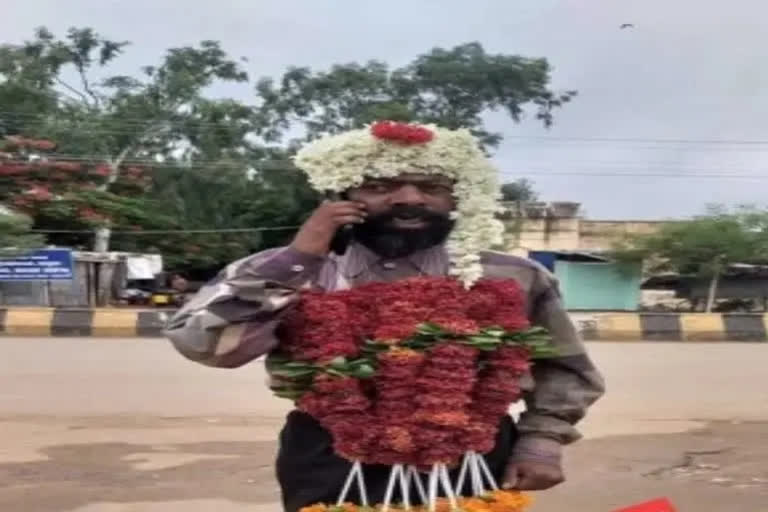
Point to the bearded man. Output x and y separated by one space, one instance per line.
413 201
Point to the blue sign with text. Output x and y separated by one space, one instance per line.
42 265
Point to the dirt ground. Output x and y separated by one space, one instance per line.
128 426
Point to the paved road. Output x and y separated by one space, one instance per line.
97 425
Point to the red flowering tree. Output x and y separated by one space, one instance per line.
68 195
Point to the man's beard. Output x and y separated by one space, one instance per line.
379 234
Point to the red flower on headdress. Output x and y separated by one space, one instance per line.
401 132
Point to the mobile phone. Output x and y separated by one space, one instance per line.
343 236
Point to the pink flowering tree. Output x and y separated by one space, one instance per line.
68 195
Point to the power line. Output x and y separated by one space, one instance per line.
636 140
524 173
254 162
546 138
128 121
675 169
168 231
674 172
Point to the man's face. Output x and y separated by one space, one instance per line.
405 214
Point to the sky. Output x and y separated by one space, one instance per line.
670 116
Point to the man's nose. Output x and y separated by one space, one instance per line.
408 194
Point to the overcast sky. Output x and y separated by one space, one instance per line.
691 70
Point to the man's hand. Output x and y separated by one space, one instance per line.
532 475
316 234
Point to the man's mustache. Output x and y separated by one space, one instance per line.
407 212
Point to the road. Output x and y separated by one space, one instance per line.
100 425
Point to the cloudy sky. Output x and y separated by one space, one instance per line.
671 114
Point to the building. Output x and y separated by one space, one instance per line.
559 227
574 250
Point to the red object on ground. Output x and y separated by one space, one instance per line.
659 505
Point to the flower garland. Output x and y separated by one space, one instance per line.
387 149
494 501
416 372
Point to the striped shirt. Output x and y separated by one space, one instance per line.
232 321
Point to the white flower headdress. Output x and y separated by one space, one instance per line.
387 149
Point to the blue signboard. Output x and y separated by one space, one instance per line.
42 265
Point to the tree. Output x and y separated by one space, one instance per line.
518 191
453 88
122 119
251 210
704 246
69 195
14 233
136 158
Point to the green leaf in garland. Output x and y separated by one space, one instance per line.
429 329
338 362
485 347
495 332
292 373
297 364
374 347
290 394
364 371
484 339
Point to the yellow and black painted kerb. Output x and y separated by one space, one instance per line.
82 322
745 327
128 323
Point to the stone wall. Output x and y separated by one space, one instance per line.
547 232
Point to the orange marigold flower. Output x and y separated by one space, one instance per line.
317 507
446 419
398 439
401 354
474 505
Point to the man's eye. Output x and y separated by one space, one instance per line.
435 188
377 187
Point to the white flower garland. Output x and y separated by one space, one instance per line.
339 162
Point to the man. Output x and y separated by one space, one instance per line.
414 201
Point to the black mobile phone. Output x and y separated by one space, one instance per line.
343 236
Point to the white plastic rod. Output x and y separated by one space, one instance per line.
476 461
463 473
413 473
433 481
361 485
443 469
487 471
348 483
405 490
391 487
473 474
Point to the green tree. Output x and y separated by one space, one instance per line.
519 191
252 210
704 246
14 233
122 119
453 88
152 152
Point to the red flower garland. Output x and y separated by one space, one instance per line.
446 381
401 132
497 387
422 406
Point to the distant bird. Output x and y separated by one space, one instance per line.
626 25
